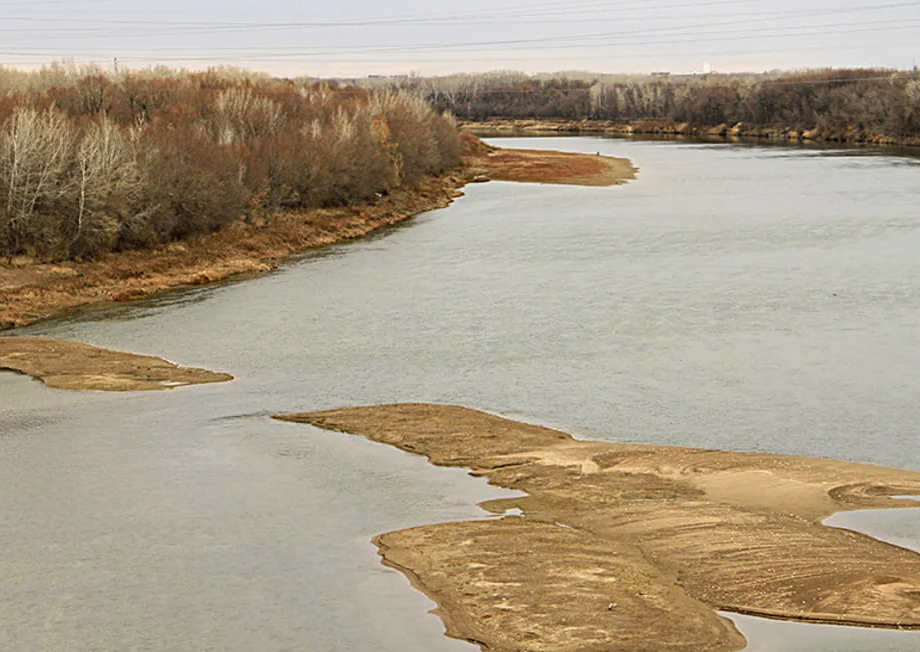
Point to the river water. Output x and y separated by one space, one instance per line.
734 297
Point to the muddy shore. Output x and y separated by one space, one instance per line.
31 291
625 547
71 365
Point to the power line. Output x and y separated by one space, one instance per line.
547 43
192 27
769 26
555 57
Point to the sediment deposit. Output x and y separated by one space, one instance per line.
72 365
624 547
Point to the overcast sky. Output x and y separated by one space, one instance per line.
360 37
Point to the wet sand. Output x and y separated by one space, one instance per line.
624 547
72 365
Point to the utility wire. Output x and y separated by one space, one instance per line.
208 27
616 40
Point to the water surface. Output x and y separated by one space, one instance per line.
734 297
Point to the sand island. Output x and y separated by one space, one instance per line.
72 365
626 546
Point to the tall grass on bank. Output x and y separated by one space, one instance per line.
93 162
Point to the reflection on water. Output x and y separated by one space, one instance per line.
741 298
130 311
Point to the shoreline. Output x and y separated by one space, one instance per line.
619 545
32 291
667 129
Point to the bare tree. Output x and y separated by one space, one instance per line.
107 189
36 148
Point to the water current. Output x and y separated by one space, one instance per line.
737 297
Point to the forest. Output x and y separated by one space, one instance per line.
847 105
93 161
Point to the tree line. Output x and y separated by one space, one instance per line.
92 162
852 104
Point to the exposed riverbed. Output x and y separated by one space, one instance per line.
695 306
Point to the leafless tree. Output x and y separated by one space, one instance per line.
36 148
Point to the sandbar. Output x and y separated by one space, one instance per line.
73 365
628 546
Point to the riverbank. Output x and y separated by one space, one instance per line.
739 131
651 541
31 291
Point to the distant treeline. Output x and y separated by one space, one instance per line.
859 104
93 162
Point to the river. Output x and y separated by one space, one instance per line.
737 297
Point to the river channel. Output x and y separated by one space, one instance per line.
737 297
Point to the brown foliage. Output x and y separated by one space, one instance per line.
139 160
855 104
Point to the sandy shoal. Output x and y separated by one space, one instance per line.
625 547
72 365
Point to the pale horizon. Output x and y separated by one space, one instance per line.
356 38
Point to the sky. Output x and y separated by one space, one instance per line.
351 38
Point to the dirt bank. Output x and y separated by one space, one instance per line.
509 127
72 365
30 291
625 547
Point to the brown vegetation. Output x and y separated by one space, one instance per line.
104 163
624 547
859 105
72 365
118 186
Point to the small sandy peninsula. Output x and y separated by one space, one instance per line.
621 547
72 365
543 166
